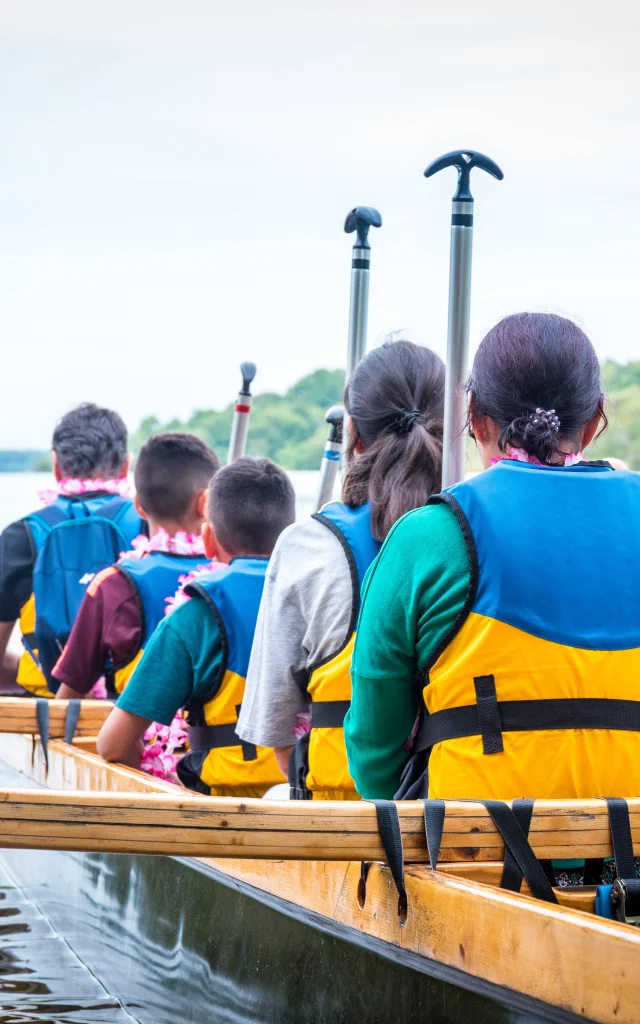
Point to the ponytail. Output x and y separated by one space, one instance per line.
395 397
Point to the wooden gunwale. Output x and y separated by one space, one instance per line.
573 961
19 716
175 822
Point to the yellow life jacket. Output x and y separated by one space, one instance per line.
29 675
318 767
219 762
537 691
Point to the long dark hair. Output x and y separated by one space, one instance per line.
530 362
395 397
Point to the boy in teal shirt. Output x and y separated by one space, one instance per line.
197 657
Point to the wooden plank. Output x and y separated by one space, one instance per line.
189 824
18 715
580 963
570 960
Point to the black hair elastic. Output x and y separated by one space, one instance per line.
403 424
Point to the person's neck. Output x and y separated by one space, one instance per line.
172 528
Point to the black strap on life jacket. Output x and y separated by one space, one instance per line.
391 836
489 718
214 737
329 714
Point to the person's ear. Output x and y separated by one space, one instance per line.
200 504
590 429
139 509
352 431
126 466
57 472
209 539
480 428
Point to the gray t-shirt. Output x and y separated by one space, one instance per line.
304 617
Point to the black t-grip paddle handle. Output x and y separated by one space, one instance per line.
360 220
465 160
335 419
248 371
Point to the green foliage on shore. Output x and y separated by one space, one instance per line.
289 428
621 385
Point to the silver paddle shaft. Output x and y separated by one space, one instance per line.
239 428
359 307
455 399
328 471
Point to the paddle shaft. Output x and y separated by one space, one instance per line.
241 415
453 454
455 399
330 457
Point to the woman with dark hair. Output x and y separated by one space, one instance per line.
304 637
502 621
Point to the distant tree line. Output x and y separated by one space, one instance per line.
291 430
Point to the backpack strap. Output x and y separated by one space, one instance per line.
113 509
49 516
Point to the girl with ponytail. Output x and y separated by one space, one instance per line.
498 650
298 686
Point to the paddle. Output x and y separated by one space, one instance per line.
359 220
241 414
330 456
453 461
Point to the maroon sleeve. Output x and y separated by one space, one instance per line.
107 628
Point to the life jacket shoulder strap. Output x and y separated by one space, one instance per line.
195 708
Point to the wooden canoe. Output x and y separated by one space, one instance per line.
554 963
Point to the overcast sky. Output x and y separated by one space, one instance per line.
174 178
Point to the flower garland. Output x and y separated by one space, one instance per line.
71 487
519 455
163 748
181 543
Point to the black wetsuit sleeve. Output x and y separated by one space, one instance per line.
17 557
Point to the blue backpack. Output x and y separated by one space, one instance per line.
74 539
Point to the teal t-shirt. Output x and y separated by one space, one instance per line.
180 663
412 597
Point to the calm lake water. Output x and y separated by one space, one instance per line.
19 493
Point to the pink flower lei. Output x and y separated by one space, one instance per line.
71 487
519 455
181 543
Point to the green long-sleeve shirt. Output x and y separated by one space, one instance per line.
411 598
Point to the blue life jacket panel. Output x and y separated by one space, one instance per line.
154 578
73 539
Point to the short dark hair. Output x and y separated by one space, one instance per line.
395 397
250 503
90 442
170 469
531 361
